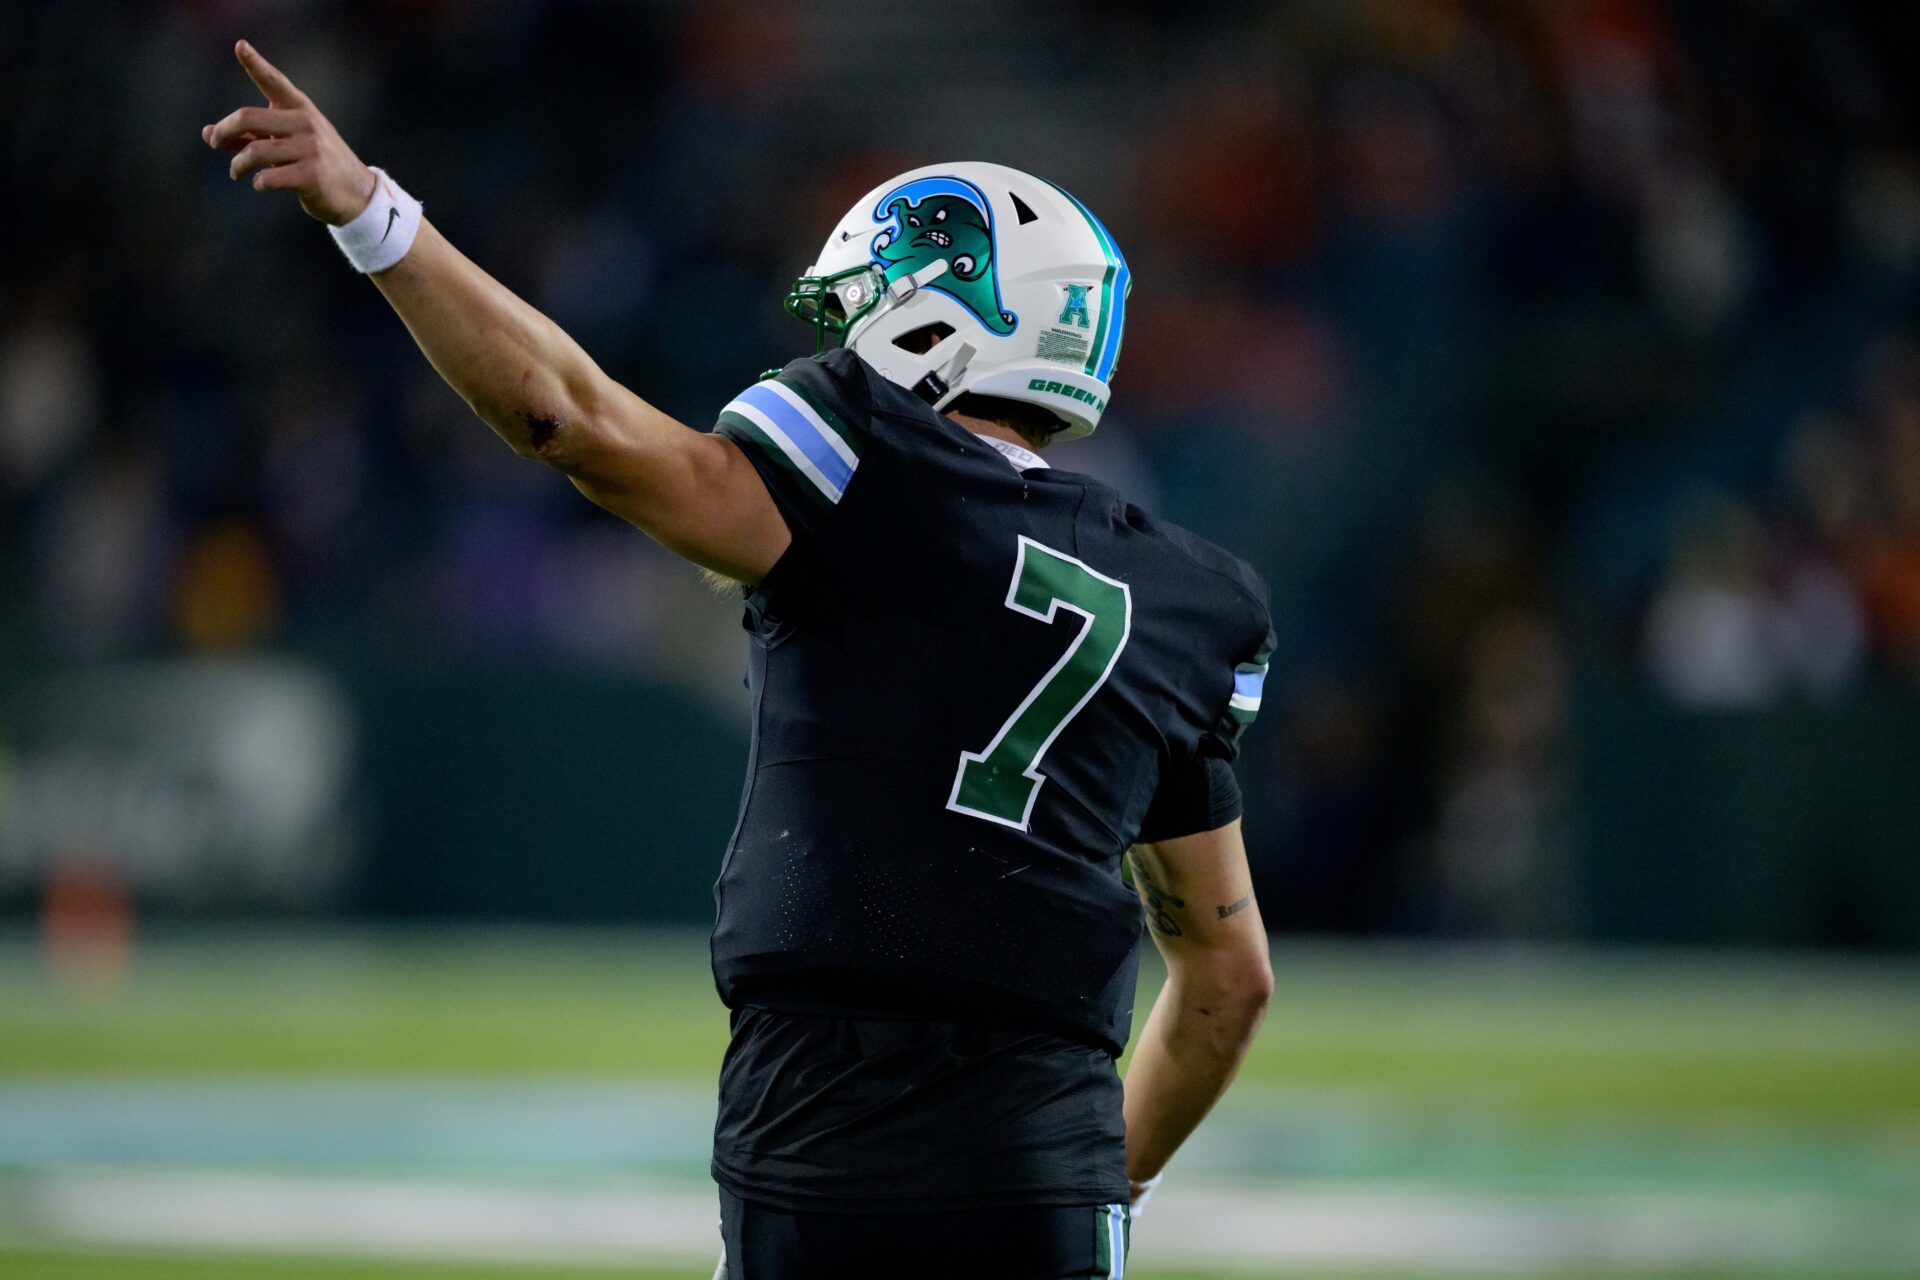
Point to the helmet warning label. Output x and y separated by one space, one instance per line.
1064 345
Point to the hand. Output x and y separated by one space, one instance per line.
288 145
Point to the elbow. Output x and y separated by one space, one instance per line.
535 437
1246 1010
562 426
538 434
1259 985
1245 977
568 444
1250 992
1230 999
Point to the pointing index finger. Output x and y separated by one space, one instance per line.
271 81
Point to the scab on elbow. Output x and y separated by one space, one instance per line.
541 433
545 439
569 446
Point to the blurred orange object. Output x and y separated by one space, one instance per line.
1892 586
228 594
86 925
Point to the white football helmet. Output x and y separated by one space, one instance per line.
1031 284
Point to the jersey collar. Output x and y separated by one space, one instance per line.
1021 458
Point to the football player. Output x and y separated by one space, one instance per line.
995 707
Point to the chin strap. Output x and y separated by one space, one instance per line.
904 287
934 387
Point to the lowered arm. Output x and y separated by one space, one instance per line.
1198 896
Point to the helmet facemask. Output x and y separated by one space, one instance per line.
833 304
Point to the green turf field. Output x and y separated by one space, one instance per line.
1536 1085
1677 1034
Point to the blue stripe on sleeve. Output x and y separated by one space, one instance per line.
806 434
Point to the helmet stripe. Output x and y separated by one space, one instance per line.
1099 351
1113 295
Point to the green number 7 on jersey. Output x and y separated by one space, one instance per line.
1001 782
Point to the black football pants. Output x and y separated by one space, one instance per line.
1042 1243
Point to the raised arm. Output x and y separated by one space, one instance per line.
1200 909
695 493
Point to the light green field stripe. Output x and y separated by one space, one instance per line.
1414 1028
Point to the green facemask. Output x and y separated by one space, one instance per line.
833 304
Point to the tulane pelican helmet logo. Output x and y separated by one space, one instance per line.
931 220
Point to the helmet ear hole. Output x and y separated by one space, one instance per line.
924 339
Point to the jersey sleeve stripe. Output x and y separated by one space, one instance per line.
1249 682
808 488
845 441
797 421
800 437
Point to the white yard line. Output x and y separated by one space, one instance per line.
311 1215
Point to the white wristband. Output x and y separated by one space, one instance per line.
385 229
1143 1192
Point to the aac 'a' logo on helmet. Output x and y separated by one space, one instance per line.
1074 309
932 220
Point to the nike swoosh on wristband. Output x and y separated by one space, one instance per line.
391 215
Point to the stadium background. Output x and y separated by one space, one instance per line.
361 786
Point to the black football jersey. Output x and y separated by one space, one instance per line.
976 681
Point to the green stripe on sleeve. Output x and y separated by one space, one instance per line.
798 483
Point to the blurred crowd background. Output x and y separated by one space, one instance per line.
1555 360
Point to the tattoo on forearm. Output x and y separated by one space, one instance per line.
1233 907
1160 903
